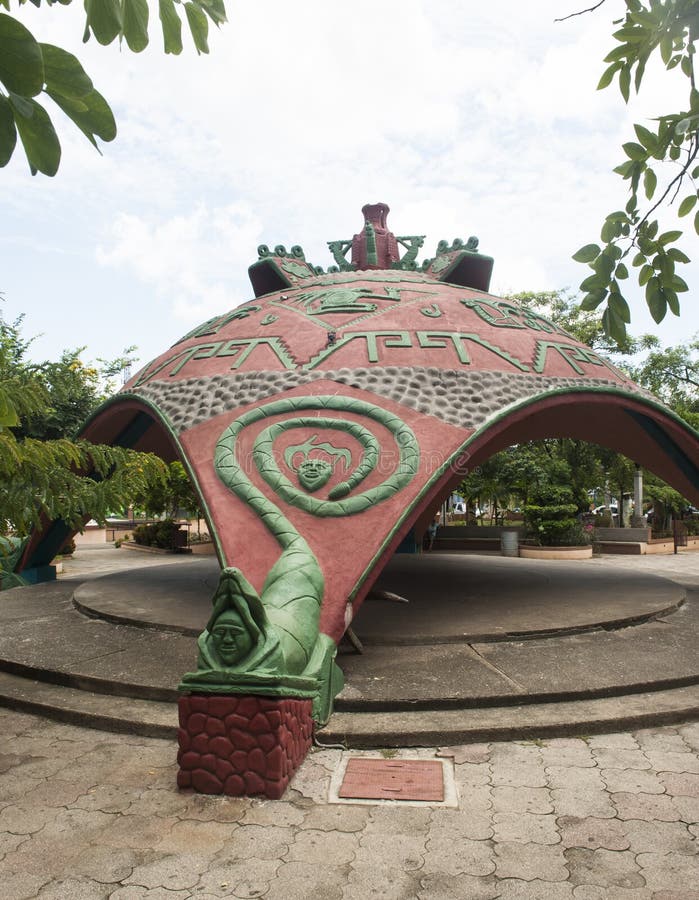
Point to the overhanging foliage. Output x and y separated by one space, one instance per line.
30 69
660 168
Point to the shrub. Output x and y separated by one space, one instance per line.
551 518
692 526
165 535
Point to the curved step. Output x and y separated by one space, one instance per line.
87 709
427 728
363 730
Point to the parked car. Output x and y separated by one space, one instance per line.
601 510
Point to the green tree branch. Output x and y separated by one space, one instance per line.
30 70
650 28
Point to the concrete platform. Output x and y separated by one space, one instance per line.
486 648
452 598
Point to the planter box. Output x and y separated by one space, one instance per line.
144 548
624 535
474 537
206 548
533 552
476 544
630 548
478 531
660 545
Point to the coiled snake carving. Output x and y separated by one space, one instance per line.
282 651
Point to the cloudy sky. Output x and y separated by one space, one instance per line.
466 118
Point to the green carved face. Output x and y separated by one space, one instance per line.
231 638
314 473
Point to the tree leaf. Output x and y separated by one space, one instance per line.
656 300
93 116
617 55
104 19
673 301
39 139
613 325
609 231
21 64
593 283
687 205
604 264
608 75
647 138
650 181
198 25
625 169
63 73
665 48
215 10
665 266
593 299
645 245
635 151
631 34
620 306
136 24
587 253
679 285
625 82
172 27
621 272
21 106
643 17
8 132
645 275
669 237
8 413
640 68
678 256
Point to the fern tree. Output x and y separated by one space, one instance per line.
61 478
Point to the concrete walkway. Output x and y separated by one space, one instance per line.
85 814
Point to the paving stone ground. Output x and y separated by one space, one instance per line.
86 815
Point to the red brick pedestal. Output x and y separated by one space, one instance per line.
241 746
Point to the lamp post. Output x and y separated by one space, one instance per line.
637 519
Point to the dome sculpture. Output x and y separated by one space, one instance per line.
324 420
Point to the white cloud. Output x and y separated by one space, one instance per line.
466 119
193 260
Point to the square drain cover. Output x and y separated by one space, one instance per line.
393 779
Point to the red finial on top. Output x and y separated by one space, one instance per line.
375 246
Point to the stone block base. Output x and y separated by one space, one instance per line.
241 746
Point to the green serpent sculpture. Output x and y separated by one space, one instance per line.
270 644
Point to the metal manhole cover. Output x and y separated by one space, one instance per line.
393 779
